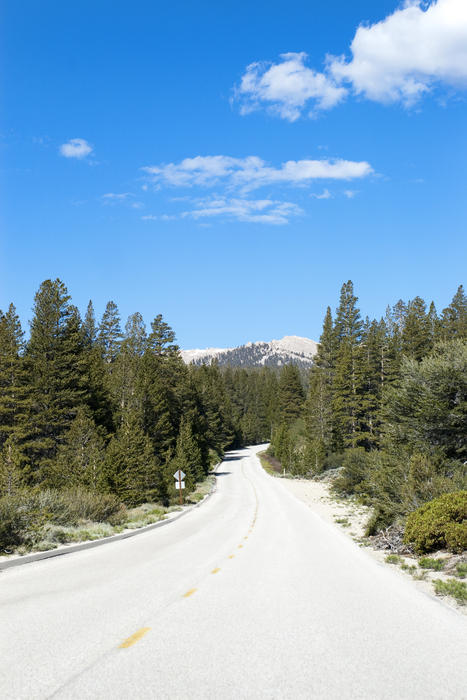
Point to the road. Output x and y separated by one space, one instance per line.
251 595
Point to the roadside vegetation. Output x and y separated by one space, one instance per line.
95 420
384 413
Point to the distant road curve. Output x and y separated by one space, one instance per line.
251 596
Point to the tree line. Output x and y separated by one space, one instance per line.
387 402
115 410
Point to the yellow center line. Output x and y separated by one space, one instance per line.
189 593
134 638
215 571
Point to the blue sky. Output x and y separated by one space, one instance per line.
230 164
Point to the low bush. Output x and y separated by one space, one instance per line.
439 524
452 587
354 472
430 563
24 515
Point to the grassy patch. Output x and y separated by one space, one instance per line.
268 465
461 570
431 563
393 559
342 521
452 587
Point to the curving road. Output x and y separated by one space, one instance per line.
249 596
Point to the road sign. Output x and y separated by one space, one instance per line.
179 485
179 475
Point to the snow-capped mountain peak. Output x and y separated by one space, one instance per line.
275 353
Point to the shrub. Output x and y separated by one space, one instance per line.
439 524
354 472
456 589
70 506
430 563
21 520
24 514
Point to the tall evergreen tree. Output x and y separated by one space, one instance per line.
291 395
454 317
81 456
110 333
56 365
133 471
417 339
13 381
89 325
318 407
347 330
11 472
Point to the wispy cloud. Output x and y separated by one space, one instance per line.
121 198
116 196
398 59
350 194
325 194
76 148
253 172
260 211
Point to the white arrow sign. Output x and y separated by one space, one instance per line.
179 475
179 485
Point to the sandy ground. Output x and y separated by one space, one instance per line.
351 518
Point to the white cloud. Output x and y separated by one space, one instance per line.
325 194
350 194
76 148
122 198
116 196
262 211
286 87
404 55
252 172
421 45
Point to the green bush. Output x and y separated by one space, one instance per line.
24 514
72 506
21 520
439 524
430 563
456 589
354 472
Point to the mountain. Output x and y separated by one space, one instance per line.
291 348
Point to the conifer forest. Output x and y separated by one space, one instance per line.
101 413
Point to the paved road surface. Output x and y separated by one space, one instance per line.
249 596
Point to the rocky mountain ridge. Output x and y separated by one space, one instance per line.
275 353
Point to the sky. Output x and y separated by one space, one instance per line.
229 165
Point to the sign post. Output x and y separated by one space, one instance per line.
179 483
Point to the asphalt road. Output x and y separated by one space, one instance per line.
249 596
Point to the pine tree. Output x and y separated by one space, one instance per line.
13 380
125 374
345 402
11 473
318 407
110 333
133 471
454 317
291 396
81 456
89 326
161 340
56 365
417 333
188 454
